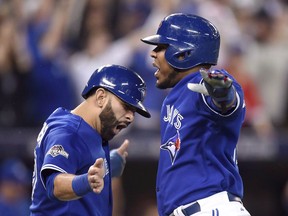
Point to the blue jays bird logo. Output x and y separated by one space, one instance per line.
143 92
172 146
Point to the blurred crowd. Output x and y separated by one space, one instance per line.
49 48
15 181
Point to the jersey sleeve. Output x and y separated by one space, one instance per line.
62 152
239 101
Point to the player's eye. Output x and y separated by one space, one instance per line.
128 107
160 48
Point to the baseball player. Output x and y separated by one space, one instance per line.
73 164
201 119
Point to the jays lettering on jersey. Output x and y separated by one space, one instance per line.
198 147
67 144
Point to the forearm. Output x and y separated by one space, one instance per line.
63 187
227 102
61 10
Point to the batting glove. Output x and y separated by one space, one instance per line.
217 85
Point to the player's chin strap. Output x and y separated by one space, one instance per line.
219 87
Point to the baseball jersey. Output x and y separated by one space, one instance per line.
67 144
198 147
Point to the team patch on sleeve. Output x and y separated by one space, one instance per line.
57 150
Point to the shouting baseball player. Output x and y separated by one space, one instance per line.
201 119
73 164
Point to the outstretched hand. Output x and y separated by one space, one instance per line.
96 174
217 85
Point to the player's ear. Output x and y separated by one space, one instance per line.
101 96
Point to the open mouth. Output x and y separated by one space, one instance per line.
155 65
157 71
121 126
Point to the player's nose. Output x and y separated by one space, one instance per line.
130 115
153 54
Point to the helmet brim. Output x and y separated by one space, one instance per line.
138 105
140 109
155 39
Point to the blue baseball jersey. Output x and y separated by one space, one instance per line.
67 144
198 147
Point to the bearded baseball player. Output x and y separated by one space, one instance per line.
73 163
201 118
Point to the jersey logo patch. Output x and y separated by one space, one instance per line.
58 150
172 146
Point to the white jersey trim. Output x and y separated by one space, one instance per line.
217 112
53 167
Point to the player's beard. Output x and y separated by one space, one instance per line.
108 122
170 81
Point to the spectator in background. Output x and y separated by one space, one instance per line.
131 15
221 14
266 59
258 129
256 114
50 85
91 39
14 188
14 69
93 19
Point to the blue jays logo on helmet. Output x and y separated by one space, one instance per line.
143 92
172 146
192 40
122 82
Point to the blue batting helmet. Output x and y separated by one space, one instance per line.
122 82
191 40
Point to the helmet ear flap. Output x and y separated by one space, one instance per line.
179 57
